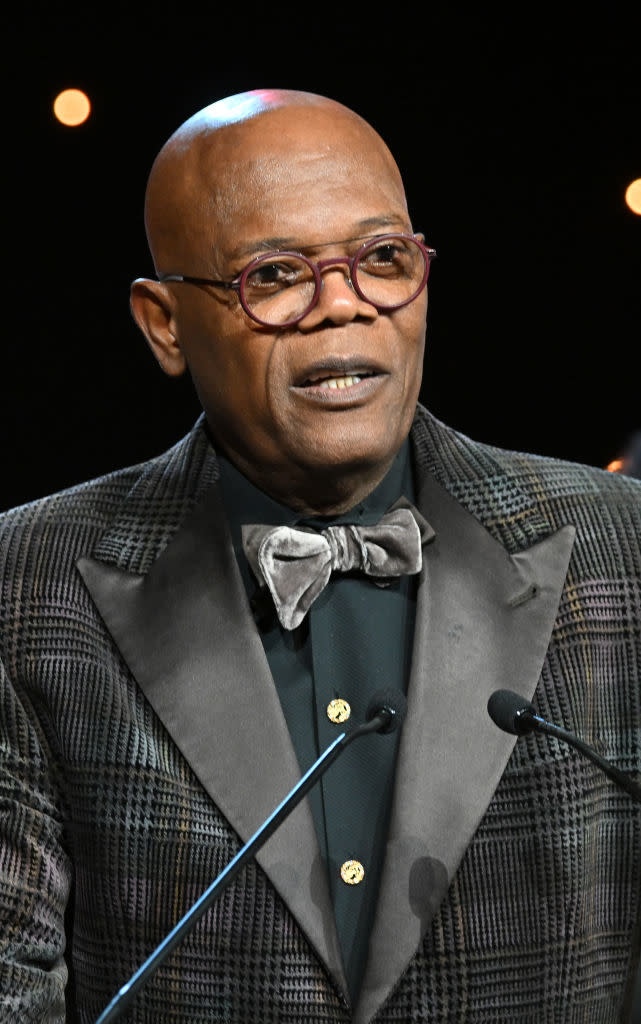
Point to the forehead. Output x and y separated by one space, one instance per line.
307 180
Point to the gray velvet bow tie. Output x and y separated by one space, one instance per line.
295 563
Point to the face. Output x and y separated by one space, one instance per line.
269 394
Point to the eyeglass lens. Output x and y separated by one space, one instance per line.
282 287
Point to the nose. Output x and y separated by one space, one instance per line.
338 303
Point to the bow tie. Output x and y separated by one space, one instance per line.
295 563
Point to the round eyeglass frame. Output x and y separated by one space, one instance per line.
317 267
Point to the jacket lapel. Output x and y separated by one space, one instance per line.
483 622
188 636
167 585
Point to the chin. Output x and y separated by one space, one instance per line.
351 454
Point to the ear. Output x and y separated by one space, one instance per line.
154 309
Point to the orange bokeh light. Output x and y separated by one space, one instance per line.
72 107
633 196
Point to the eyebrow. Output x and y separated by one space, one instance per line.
276 243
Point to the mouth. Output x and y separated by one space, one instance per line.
337 376
338 383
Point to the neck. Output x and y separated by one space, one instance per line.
320 492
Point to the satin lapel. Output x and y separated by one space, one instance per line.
187 634
484 620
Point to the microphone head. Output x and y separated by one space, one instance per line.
391 705
511 712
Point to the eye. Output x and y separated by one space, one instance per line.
383 253
389 258
273 275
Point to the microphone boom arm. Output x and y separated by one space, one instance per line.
531 720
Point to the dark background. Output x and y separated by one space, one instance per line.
516 133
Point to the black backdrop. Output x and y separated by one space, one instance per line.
516 133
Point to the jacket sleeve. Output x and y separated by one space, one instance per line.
35 872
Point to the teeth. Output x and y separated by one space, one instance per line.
340 382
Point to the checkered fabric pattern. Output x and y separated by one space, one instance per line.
106 836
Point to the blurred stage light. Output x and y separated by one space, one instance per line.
71 107
633 196
616 466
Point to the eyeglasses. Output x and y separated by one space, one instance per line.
280 288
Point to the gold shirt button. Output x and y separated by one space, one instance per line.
338 710
352 872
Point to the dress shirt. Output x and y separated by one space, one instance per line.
355 640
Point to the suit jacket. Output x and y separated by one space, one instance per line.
142 742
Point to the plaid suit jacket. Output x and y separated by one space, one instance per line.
135 703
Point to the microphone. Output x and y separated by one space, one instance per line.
385 714
389 707
516 715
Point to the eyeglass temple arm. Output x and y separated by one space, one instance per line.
163 278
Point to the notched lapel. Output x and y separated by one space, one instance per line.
186 633
484 620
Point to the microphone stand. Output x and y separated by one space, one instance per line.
381 721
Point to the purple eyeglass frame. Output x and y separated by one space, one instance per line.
238 284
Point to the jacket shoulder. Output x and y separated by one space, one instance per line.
520 496
151 495
89 504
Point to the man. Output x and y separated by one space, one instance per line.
166 677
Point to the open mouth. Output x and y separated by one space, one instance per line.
336 382
337 374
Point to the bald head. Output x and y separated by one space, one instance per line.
227 157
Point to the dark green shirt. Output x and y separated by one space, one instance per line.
355 640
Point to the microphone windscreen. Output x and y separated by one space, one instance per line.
392 702
504 708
